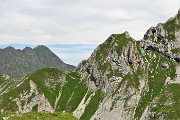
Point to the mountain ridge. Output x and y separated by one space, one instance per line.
18 63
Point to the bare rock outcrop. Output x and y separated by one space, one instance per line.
34 98
164 38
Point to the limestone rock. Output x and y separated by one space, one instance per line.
164 38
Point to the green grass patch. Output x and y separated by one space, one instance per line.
175 51
77 96
164 106
170 27
39 116
14 92
88 95
133 79
92 106
35 108
40 76
156 79
72 93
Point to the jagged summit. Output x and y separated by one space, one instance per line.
177 15
27 49
126 33
165 38
41 47
9 48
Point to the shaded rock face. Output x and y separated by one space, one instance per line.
165 38
19 63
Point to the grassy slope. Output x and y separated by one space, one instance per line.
156 79
92 106
39 78
38 116
169 92
170 26
7 98
157 87
72 93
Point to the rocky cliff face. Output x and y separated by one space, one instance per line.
116 67
19 63
164 38
110 58
135 75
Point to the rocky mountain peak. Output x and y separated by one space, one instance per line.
126 33
9 48
165 38
178 14
27 49
41 47
111 57
18 63
133 73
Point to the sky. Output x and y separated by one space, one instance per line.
72 29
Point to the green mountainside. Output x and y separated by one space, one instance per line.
123 79
46 90
140 78
18 63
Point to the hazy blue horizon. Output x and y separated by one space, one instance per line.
69 53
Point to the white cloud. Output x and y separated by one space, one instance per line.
81 22
78 21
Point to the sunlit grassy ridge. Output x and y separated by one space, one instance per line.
37 116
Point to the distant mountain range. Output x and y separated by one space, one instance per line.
18 63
